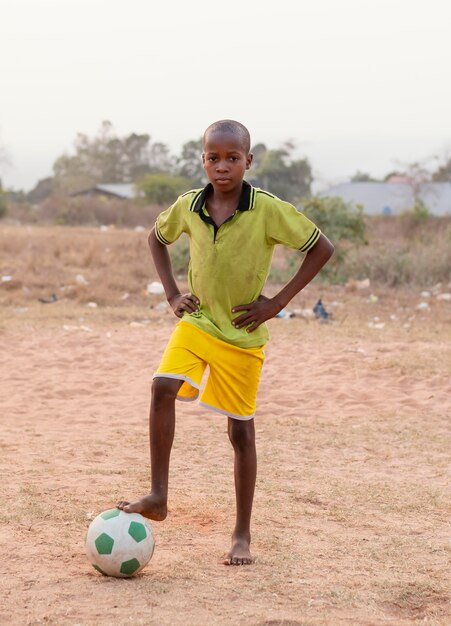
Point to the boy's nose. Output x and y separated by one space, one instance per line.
222 166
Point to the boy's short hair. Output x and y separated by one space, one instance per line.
234 128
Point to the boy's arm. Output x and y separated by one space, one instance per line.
178 301
264 308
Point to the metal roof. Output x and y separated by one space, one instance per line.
125 191
394 198
122 190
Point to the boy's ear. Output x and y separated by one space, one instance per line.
249 160
203 158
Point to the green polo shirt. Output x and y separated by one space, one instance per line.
229 265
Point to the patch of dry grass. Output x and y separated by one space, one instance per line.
78 264
401 251
83 211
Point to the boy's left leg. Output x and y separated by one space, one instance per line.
242 437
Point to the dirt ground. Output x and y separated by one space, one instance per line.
351 515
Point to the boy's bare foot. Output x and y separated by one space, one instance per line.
149 506
239 553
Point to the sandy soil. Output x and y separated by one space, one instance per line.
351 518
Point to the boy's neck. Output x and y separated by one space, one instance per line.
226 198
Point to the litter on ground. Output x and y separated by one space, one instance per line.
376 325
81 280
52 298
155 288
320 311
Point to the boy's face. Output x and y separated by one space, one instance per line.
225 160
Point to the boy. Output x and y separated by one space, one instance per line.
233 229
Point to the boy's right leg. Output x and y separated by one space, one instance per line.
242 437
161 435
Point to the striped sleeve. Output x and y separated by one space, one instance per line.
287 226
311 240
171 223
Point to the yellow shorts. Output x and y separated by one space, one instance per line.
231 387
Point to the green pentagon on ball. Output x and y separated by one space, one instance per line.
110 513
99 569
104 544
129 567
137 531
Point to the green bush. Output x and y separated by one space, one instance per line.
343 224
163 189
418 214
338 219
420 211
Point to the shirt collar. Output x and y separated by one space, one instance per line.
246 201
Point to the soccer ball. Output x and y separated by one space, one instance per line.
119 544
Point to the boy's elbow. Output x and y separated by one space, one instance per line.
330 248
325 247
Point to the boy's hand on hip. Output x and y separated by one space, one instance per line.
255 313
184 302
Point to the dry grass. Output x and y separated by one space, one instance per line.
80 211
402 251
43 261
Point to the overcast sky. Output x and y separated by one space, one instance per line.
355 83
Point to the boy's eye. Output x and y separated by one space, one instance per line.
212 159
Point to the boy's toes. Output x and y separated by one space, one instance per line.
245 559
242 561
237 560
122 504
239 554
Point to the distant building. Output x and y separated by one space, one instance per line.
121 191
393 198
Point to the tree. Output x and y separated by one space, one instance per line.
162 188
259 150
42 190
418 175
189 164
277 172
107 158
362 177
443 173
392 174
159 160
